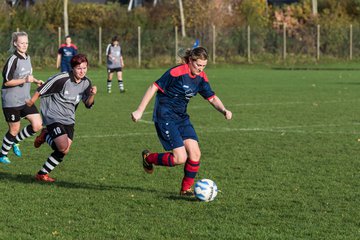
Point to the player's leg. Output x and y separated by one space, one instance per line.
62 137
31 114
41 138
168 159
172 142
12 117
8 141
68 67
63 67
109 80
192 165
120 80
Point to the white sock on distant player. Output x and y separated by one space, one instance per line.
121 85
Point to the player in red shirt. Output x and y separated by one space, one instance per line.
175 131
65 53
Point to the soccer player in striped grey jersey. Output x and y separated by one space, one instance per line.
17 79
115 63
60 96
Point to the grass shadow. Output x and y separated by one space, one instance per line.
29 179
182 198
348 83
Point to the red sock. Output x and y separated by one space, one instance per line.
191 168
161 159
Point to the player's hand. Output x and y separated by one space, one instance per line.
29 79
29 102
39 82
136 116
227 114
93 90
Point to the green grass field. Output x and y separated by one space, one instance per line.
287 164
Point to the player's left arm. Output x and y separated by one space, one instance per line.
208 93
218 105
91 92
122 61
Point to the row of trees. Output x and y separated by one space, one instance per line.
230 17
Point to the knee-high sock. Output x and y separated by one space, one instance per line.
108 84
161 159
191 168
7 143
121 84
54 159
50 141
26 132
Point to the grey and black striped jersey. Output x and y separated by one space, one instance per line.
16 67
60 96
113 54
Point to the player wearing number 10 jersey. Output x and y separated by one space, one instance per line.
60 96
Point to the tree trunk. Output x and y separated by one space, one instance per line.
66 18
314 7
183 33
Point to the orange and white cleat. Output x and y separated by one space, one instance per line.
39 140
44 178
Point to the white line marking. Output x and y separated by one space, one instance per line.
121 135
145 121
283 103
282 130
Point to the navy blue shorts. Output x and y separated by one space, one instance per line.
65 67
172 135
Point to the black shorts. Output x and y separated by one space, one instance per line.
57 129
111 70
16 113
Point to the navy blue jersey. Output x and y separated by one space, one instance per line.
175 88
67 52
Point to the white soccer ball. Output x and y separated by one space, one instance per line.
205 190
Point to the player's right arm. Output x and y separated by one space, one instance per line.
9 71
149 94
53 85
108 53
58 60
33 99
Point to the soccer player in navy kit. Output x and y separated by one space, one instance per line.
17 79
175 131
115 63
60 96
66 51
